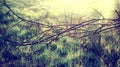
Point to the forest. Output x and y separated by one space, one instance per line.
59 33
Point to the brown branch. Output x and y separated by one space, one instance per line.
53 37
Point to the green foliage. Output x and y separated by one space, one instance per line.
62 52
56 31
65 52
43 61
53 47
8 56
89 59
110 39
62 65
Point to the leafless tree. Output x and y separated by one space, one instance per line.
47 37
